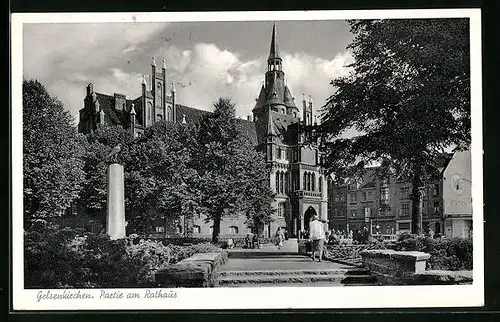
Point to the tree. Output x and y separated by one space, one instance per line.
227 165
160 182
408 96
52 165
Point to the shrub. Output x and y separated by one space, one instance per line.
446 254
64 257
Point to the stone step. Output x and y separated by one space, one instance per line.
293 278
335 271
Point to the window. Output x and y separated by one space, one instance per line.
160 229
159 117
384 194
353 212
435 190
249 230
281 210
278 182
405 193
436 207
320 184
278 152
313 182
196 229
405 209
282 182
363 196
368 214
370 195
304 183
178 229
233 230
354 197
211 230
404 226
150 111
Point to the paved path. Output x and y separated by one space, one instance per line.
271 258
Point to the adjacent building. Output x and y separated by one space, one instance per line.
384 206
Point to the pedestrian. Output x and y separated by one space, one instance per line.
248 242
280 237
317 237
255 241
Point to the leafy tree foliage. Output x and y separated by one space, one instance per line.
160 180
52 165
227 165
408 96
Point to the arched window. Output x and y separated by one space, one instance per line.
313 183
150 111
287 182
196 229
159 117
320 184
304 183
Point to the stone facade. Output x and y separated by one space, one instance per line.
296 175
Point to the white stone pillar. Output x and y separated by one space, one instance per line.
115 220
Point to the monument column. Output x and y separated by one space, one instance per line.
115 220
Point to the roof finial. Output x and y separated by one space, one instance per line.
132 110
303 97
153 62
274 51
310 99
173 87
164 63
183 119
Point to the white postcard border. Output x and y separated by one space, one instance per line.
252 298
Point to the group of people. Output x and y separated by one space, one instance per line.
252 242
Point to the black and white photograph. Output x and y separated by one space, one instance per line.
247 160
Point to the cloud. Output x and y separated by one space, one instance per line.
67 57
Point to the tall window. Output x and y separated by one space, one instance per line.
405 192
320 184
313 184
304 183
384 194
278 152
405 209
278 182
363 196
436 207
354 197
196 229
282 182
370 195
353 212
150 111
287 182
435 190
233 230
281 210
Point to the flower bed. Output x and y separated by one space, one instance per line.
348 254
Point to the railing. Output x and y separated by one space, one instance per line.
303 193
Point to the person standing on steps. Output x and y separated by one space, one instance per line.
280 237
317 237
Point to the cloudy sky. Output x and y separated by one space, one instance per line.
206 59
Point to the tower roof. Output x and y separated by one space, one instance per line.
270 126
274 51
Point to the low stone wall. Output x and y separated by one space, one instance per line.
392 267
198 270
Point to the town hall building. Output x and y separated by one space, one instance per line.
276 129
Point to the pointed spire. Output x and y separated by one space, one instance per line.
274 51
303 97
270 127
310 99
144 80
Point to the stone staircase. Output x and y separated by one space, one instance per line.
295 277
